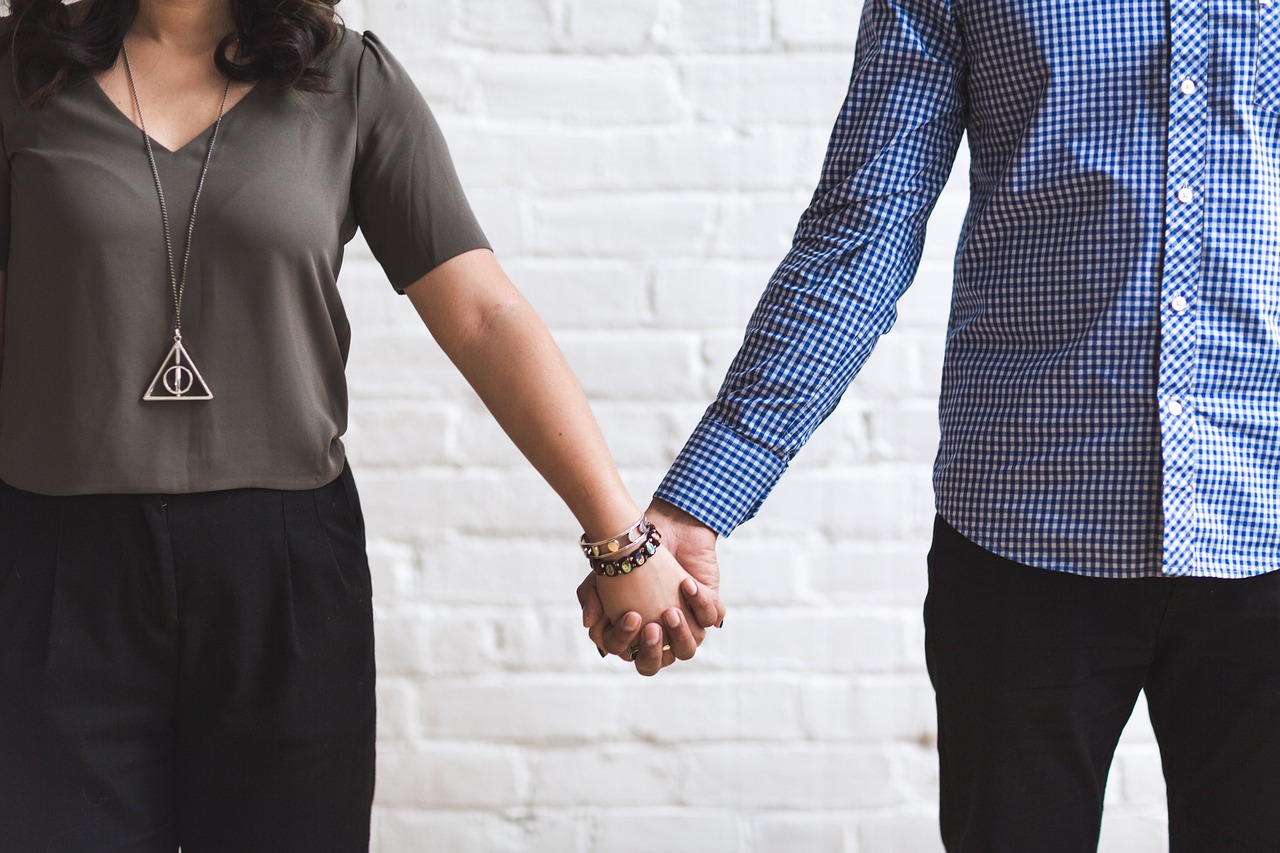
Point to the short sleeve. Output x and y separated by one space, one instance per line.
408 201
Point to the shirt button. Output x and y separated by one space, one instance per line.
1178 303
1187 87
1174 407
1186 194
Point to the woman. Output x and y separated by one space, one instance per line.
185 623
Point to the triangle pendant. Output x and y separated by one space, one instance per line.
178 378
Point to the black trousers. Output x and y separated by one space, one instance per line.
1036 673
191 670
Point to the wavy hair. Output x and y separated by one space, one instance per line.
284 41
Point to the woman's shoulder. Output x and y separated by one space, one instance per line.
353 49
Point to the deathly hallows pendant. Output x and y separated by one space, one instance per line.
178 378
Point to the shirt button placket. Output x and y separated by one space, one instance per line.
1184 211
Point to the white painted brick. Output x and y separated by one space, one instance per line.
708 709
870 709
818 23
696 830
444 775
721 25
579 90
766 776
760 227
536 709
523 25
915 831
809 831
577 776
628 26
760 571
415 506
397 708
382 435
853 571
632 366
517 831
646 226
456 570
773 89
582 295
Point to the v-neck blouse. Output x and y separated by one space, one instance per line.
89 308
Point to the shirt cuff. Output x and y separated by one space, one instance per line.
719 477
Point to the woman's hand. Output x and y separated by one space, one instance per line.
649 596
693 545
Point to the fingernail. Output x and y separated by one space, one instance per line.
584 620
690 586
673 619
721 625
632 620
602 652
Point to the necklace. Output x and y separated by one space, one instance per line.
178 378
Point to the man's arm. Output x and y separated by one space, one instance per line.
855 251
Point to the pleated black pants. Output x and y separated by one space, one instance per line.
191 670
1037 672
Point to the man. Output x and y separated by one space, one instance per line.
1108 479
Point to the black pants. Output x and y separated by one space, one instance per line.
191 670
1037 672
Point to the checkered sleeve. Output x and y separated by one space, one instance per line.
855 251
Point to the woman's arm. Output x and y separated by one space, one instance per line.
506 353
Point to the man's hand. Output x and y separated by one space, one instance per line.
693 544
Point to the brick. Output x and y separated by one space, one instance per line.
915 830
642 226
615 27
537 709
805 831
705 709
818 24
761 227
383 435
870 710
405 831
579 90
573 295
646 830
449 775
575 777
635 367
765 776
769 89
720 25
523 25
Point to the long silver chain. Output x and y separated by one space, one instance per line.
178 284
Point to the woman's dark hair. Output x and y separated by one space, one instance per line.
283 42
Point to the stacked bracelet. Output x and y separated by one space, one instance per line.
606 547
634 559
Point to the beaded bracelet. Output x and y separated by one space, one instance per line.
614 544
634 560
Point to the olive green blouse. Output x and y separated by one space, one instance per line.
89 311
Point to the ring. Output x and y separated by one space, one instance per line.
633 652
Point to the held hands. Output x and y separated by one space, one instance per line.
670 601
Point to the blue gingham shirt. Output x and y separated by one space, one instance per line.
1111 389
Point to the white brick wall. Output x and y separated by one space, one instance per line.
647 159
